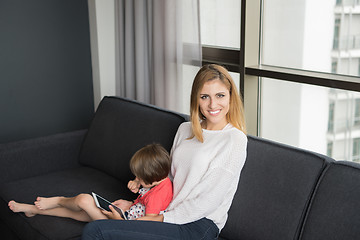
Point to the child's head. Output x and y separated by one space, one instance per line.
151 163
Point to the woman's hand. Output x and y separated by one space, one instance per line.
123 204
152 217
113 214
134 185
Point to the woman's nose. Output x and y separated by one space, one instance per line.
212 103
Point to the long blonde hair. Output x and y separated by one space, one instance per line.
235 116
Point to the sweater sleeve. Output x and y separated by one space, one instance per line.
216 189
184 127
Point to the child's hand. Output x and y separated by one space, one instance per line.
123 204
134 185
113 214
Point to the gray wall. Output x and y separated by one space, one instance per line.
45 68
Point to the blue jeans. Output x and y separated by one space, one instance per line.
134 230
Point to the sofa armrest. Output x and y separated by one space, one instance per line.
37 156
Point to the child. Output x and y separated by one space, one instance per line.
151 165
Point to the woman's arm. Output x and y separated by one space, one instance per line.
148 217
152 217
215 188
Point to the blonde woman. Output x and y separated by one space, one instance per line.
208 155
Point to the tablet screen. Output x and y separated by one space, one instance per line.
104 204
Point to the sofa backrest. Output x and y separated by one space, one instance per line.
275 186
334 212
119 128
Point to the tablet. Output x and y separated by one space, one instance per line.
102 203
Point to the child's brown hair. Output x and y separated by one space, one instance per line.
151 163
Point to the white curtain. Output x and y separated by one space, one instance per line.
155 38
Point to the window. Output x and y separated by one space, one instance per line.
334 66
336 33
310 117
220 23
329 149
356 150
295 34
299 71
220 30
357 112
302 115
331 117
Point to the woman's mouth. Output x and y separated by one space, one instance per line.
214 113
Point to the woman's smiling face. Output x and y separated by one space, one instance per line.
214 104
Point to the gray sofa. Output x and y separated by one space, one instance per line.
283 193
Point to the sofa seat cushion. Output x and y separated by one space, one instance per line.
63 183
334 212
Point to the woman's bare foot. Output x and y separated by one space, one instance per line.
27 209
43 203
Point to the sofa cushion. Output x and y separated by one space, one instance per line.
63 183
275 186
334 212
121 127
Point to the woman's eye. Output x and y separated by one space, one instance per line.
220 95
204 97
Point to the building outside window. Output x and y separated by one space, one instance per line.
357 112
334 66
356 150
329 148
331 117
336 33
347 54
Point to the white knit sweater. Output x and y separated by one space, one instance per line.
205 175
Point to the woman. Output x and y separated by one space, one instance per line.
208 154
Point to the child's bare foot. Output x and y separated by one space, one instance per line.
22 207
43 203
